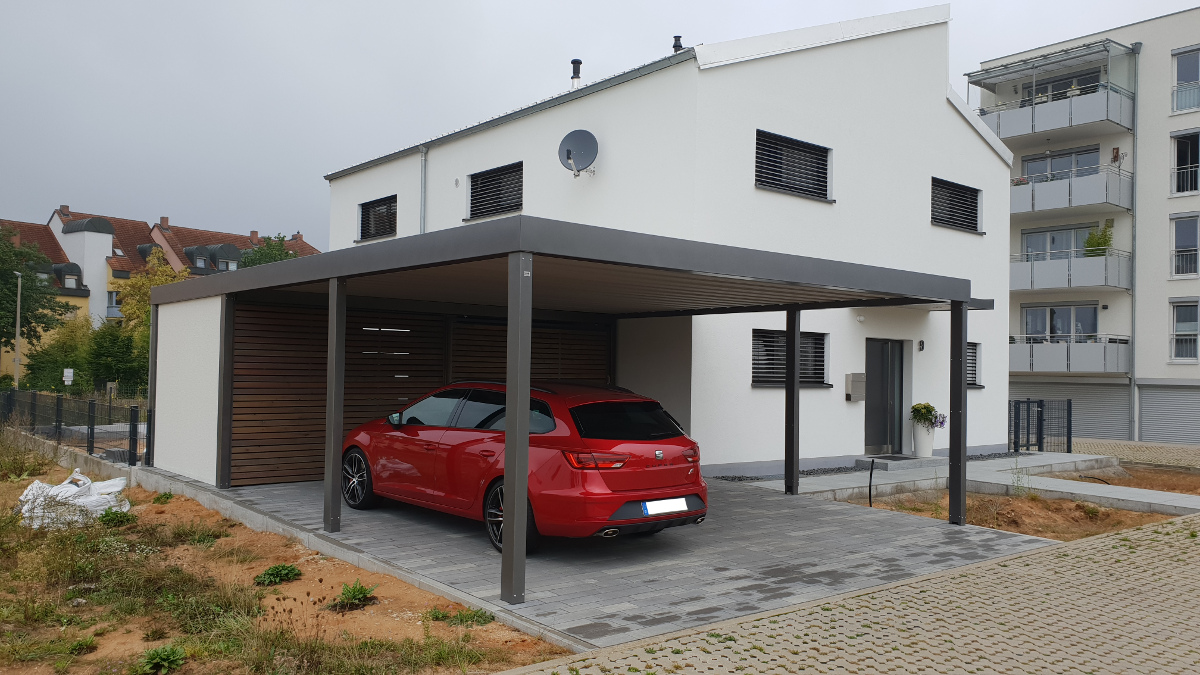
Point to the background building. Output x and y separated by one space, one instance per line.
1105 131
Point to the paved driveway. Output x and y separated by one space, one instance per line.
758 550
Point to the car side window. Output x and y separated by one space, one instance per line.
484 409
433 411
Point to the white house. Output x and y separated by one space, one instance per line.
679 141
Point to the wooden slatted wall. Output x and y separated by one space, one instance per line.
391 358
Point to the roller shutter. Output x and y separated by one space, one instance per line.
1169 414
1097 411
278 431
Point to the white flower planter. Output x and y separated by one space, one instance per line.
922 440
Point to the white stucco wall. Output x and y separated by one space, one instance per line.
654 358
187 388
89 250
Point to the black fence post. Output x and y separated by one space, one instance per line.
33 412
1070 430
133 435
58 422
1016 425
9 401
148 458
1041 422
91 432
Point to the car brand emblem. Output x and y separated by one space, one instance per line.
658 454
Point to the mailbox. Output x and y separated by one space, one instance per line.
856 386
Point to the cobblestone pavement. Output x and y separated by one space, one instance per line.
1150 453
1118 603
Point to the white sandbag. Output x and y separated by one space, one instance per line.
75 501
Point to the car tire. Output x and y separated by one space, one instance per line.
493 520
358 490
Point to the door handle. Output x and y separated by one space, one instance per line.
429 446
487 453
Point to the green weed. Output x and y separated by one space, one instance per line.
162 498
114 518
277 574
353 596
161 660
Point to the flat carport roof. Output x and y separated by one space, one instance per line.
579 268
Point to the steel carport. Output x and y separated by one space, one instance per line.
580 268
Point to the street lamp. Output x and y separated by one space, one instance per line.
17 339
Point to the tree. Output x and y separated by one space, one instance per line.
41 310
68 347
135 306
135 293
272 249
112 357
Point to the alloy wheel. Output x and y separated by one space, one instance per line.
354 478
494 514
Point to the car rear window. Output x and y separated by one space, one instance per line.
625 421
484 409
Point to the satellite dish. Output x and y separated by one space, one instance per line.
578 150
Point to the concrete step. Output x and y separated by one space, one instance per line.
900 462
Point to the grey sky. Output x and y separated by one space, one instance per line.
225 115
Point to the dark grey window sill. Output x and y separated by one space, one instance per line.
957 229
490 216
390 235
975 386
801 385
768 188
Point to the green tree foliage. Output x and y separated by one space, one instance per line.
113 358
272 249
67 348
1099 241
41 310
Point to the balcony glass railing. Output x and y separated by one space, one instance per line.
1183 262
1053 96
1185 179
1185 96
1082 186
1184 347
1076 106
114 312
1075 353
1078 338
1074 268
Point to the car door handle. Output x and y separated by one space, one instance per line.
487 453
429 446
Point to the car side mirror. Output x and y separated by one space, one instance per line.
394 419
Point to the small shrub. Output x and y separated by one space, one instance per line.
353 596
85 645
277 574
463 617
162 498
161 660
435 614
114 518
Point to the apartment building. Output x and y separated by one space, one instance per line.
1104 202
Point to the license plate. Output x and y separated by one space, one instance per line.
661 506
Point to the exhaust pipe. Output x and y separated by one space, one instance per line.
610 533
700 520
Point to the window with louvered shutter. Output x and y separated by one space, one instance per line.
792 166
377 218
955 205
769 351
497 191
973 364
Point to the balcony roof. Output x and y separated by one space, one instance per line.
1078 55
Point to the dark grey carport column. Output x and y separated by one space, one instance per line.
791 414
958 413
516 427
335 383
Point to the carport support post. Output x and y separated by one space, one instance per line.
335 381
958 413
791 413
516 427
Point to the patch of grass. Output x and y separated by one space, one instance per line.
203 613
197 533
161 660
115 518
353 596
19 457
162 498
463 617
238 553
21 647
277 574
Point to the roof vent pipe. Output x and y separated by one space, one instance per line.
678 46
575 63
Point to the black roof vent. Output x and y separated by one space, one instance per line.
575 63
678 46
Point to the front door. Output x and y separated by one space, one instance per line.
408 463
885 378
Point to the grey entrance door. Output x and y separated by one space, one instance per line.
885 374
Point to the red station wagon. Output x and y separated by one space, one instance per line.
602 461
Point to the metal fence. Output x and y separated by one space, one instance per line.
1039 425
118 433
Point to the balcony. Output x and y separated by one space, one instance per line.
1078 268
1057 117
1098 188
1184 347
1185 96
114 312
1068 353
1183 263
1185 179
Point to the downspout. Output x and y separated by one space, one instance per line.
424 164
1134 433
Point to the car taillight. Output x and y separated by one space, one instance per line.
691 454
595 460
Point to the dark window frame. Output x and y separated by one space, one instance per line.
768 359
944 195
383 209
491 192
792 166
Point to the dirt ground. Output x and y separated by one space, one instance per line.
237 558
1147 478
1060 519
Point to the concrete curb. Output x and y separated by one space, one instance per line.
157 480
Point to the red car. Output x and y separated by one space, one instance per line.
602 461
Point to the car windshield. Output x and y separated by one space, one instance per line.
625 421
